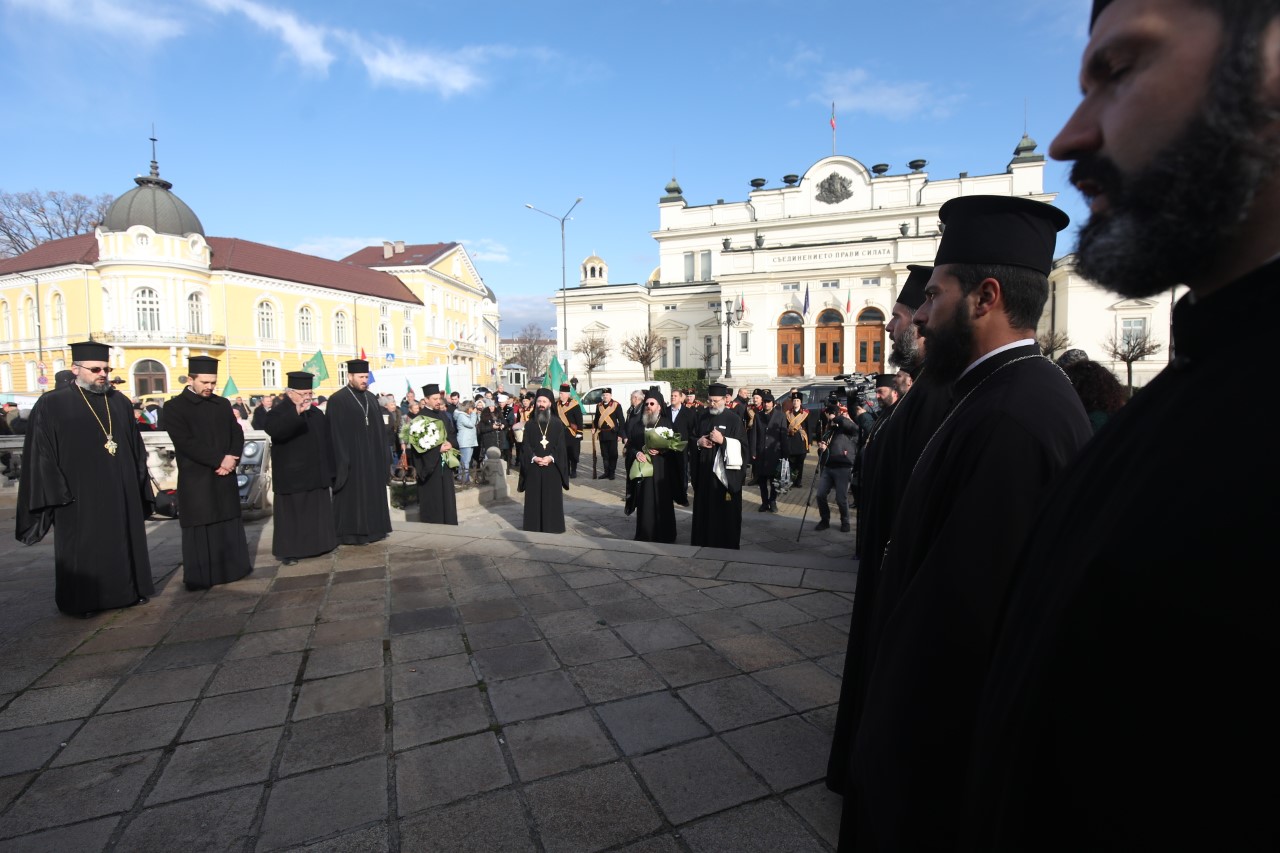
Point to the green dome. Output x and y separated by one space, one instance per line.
151 203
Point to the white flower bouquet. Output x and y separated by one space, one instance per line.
658 438
425 433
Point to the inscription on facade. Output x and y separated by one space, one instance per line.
832 255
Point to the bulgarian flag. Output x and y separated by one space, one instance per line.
833 115
848 303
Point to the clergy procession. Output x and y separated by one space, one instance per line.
1059 633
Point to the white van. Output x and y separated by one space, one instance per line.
621 393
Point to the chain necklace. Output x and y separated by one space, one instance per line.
107 428
364 400
543 430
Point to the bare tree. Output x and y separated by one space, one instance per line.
644 348
594 350
1052 343
28 219
1130 347
532 349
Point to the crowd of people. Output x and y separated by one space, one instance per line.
1062 622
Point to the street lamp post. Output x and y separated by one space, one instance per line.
564 302
732 317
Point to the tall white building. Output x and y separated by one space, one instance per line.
815 265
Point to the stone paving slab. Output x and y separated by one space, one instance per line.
451 688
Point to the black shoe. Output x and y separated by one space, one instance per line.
773 506
290 562
844 527
142 599
764 507
822 525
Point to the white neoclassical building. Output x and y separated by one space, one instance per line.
808 271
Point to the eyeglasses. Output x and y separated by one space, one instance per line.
95 369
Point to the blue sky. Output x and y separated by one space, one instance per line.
324 126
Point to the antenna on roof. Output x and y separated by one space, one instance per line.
155 167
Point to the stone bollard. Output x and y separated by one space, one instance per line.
496 473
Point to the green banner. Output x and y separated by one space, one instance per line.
230 389
316 366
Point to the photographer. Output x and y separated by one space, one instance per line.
837 452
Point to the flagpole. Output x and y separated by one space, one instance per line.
833 128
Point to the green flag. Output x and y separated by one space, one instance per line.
554 376
230 389
407 386
448 386
315 365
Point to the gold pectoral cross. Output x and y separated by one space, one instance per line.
111 446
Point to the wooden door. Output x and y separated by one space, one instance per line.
790 351
830 341
870 348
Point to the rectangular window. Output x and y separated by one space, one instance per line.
708 349
662 362
875 352
790 285
822 353
713 304
386 309
670 307
862 352
871 282
688 266
1132 329
796 357
676 348
705 260
597 307
786 352
831 285
744 343
835 352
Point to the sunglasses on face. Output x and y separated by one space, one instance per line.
95 370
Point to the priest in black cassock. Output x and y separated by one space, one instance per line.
361 512
544 468
1015 424
84 473
719 467
208 442
302 473
437 500
887 461
653 497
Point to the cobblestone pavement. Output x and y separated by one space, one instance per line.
467 688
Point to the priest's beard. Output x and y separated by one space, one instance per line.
651 419
951 346
907 354
543 418
91 386
1171 221
716 410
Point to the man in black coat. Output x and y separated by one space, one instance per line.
259 420
301 472
208 442
360 509
84 474
570 414
837 450
544 468
969 502
767 437
682 421
719 467
608 424
1128 705
437 498
653 497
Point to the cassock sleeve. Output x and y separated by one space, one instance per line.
42 486
341 457
283 423
560 451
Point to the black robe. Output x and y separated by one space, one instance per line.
571 414
204 431
97 503
437 499
361 512
1128 704
301 476
887 461
717 508
1016 423
544 487
683 422
609 427
653 497
767 437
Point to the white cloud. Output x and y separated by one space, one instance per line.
855 90
488 250
118 18
392 63
335 247
306 42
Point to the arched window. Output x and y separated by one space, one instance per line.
29 321
6 377
149 378
195 314
830 317
146 306
791 318
408 340
266 324
871 315
108 310
270 374
384 337
59 364
6 322
305 333
342 373
31 376
340 328
59 319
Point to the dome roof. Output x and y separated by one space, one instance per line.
151 204
593 259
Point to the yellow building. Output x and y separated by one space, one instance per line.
153 286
